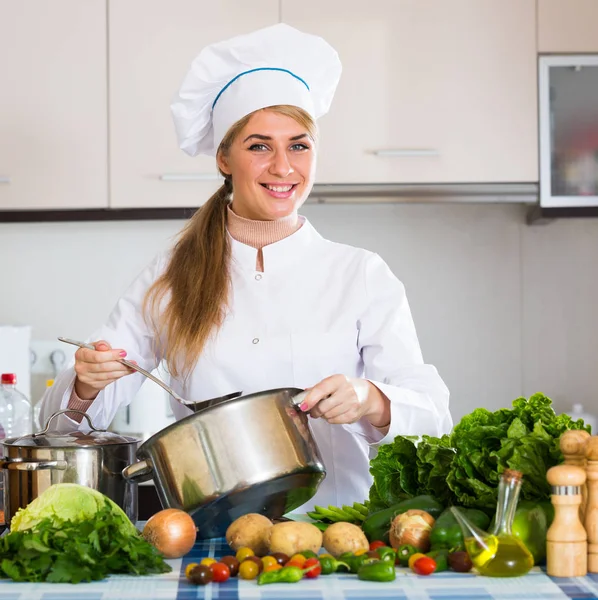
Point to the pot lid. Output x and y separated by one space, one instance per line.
71 439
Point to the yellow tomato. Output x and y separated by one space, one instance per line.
208 561
189 568
268 561
298 559
243 553
248 570
414 557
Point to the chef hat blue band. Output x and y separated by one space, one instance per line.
253 71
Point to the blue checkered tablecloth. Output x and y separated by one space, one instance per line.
407 586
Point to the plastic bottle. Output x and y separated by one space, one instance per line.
16 413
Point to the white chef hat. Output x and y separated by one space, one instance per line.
230 79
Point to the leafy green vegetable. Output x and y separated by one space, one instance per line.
67 502
66 551
465 467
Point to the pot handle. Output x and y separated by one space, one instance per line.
18 464
299 398
61 412
140 471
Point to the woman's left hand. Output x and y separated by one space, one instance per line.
340 399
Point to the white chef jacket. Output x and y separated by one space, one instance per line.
318 309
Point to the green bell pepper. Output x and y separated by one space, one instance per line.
377 571
446 531
404 553
530 524
387 554
440 558
331 565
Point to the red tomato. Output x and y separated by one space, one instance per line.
376 545
220 571
315 569
424 566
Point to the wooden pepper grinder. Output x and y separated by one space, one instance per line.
591 521
566 539
572 445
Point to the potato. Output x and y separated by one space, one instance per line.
344 537
292 537
250 531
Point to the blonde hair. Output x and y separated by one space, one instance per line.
196 281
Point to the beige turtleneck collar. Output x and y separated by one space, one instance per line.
258 234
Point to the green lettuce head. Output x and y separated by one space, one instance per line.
67 502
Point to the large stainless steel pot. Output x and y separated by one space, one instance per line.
33 463
255 453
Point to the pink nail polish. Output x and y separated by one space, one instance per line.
122 353
304 407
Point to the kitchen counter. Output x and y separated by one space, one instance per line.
407 586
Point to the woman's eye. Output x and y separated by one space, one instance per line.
258 147
299 147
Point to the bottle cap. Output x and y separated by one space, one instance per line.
8 378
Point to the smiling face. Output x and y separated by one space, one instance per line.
272 164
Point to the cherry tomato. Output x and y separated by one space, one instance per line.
232 563
377 544
281 558
257 561
248 570
200 575
314 566
424 566
359 552
274 567
189 568
243 553
207 561
299 559
294 563
268 561
220 572
415 557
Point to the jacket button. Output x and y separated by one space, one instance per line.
255 340
258 277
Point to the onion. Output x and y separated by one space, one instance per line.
412 527
171 531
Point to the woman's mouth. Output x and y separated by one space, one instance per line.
280 190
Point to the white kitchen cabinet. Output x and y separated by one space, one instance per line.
431 92
567 26
53 127
152 44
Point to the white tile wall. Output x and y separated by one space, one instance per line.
502 309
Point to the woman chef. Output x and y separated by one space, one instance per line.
251 297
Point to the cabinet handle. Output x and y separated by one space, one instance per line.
4 179
190 177
408 152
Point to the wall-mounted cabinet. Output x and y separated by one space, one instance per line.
152 44
53 124
431 91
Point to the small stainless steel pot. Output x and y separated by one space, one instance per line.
254 453
32 463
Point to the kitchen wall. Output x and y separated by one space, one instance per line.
502 309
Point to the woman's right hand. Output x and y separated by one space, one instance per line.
98 368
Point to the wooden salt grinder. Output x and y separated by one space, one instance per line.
566 539
591 521
572 445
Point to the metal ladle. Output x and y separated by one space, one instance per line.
195 406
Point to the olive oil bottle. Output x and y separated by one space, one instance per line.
498 553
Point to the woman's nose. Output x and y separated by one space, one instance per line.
281 165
